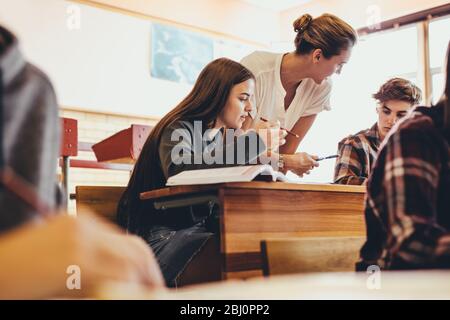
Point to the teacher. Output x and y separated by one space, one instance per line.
294 87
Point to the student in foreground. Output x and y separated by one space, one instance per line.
294 87
220 99
38 260
357 153
408 204
36 247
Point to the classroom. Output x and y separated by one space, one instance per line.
224 150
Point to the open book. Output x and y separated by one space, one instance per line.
263 172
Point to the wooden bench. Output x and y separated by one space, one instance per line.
310 254
102 200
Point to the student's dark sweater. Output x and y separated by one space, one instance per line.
30 130
201 151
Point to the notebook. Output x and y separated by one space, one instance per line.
263 172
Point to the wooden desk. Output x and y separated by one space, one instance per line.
392 285
253 211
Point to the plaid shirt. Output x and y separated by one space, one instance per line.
408 196
357 154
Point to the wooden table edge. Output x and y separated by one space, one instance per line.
186 189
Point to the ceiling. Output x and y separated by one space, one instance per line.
276 5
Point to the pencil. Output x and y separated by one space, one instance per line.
290 132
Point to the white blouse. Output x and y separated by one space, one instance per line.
310 98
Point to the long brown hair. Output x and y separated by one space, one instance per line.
326 32
204 103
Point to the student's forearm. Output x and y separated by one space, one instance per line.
443 251
425 245
25 272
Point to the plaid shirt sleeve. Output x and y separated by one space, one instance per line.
350 168
401 204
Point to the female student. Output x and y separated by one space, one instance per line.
219 100
408 204
358 152
294 87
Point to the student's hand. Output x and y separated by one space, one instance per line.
443 246
35 258
300 163
272 134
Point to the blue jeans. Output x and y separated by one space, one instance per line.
174 249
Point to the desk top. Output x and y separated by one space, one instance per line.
345 285
177 190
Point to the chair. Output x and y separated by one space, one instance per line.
310 254
102 200
70 146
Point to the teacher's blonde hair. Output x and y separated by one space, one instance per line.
326 32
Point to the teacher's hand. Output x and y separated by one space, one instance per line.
300 163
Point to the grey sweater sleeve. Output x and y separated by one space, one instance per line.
31 143
183 148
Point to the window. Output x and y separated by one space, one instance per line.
439 35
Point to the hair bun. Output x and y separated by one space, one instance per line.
302 23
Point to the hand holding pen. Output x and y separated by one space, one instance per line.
289 132
272 134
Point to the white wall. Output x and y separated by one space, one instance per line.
230 17
104 65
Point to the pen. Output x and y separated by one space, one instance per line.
328 157
290 132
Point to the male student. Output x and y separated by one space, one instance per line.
38 248
29 132
358 152
408 194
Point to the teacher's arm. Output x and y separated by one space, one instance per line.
300 128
